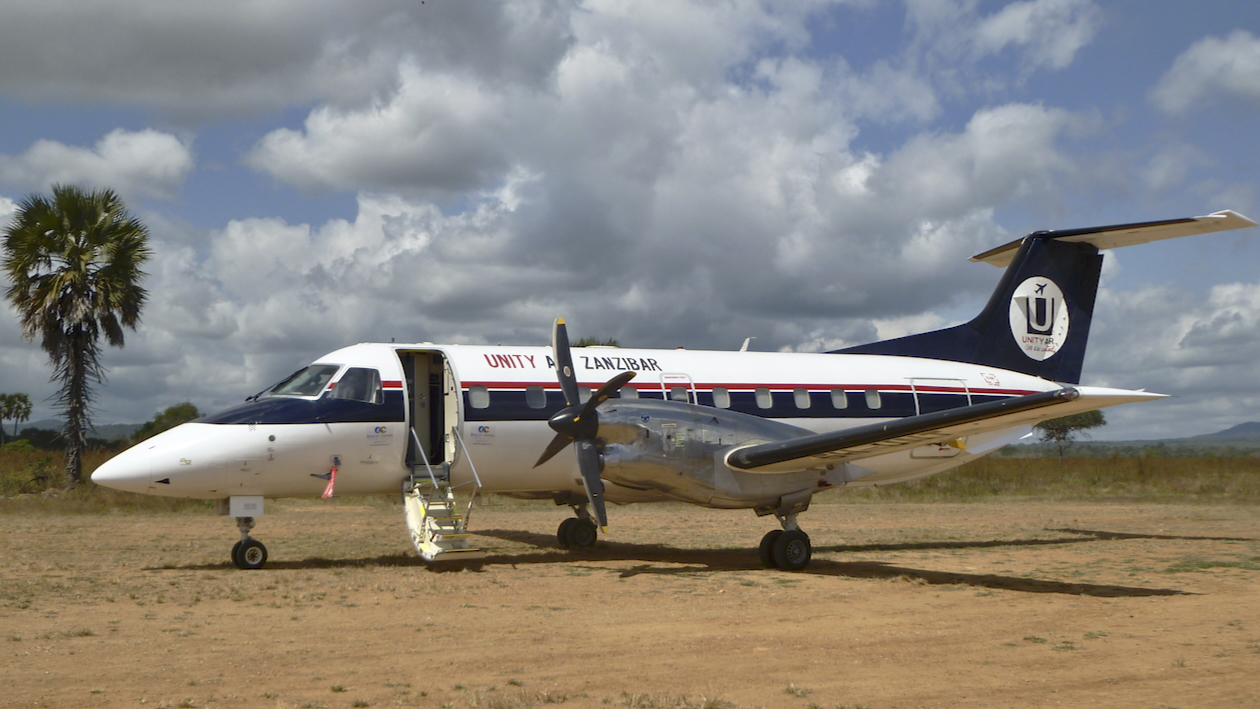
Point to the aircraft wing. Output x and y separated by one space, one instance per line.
948 427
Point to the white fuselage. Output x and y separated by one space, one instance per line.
486 408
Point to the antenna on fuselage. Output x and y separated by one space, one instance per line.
744 347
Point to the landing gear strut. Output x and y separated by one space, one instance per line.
788 548
248 553
577 532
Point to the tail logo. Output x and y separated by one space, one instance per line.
1039 318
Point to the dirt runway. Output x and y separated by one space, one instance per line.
905 605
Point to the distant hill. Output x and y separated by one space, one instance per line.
1240 440
109 431
1243 431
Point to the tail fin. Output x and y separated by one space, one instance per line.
1037 320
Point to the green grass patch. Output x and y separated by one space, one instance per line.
1081 479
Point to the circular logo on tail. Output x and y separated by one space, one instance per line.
1039 318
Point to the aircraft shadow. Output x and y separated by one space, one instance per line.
1112 536
745 559
401 559
741 559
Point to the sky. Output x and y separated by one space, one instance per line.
668 173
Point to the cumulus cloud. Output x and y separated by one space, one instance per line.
437 132
199 61
667 173
145 163
953 38
1048 32
1203 351
1211 68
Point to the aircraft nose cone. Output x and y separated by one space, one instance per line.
130 470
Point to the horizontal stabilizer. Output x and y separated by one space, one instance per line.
941 427
1110 237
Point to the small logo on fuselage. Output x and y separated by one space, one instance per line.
1039 318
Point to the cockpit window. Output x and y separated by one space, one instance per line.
305 382
359 384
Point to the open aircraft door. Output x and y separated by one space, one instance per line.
432 406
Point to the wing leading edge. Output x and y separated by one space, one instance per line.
941 427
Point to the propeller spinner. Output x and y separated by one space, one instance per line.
578 423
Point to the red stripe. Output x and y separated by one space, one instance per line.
392 384
508 386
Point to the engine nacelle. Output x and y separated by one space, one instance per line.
679 450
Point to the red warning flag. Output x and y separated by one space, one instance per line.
332 480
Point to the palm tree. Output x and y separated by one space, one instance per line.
16 407
74 261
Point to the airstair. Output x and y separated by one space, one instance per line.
437 515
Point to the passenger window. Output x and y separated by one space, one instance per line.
628 392
802 398
678 394
535 397
359 384
721 398
478 397
764 399
839 399
872 399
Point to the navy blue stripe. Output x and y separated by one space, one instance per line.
512 406
280 409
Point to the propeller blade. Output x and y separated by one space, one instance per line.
564 362
588 463
579 423
605 391
557 444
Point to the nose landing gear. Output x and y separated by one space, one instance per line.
248 553
578 532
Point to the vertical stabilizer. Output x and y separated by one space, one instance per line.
1037 320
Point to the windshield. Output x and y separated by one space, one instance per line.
305 382
359 384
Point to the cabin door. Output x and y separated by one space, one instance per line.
433 397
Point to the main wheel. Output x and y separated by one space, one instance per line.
251 554
236 549
767 548
792 550
582 534
562 534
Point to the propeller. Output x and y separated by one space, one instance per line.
578 423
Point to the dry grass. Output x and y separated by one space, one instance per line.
1083 479
34 482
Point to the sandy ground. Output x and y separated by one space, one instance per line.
972 605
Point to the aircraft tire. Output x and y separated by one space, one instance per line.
236 561
767 548
562 534
251 555
792 550
583 534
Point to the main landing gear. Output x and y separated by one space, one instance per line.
788 548
578 532
248 553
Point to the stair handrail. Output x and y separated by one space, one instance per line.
424 456
476 481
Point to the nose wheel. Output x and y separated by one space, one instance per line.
577 532
248 553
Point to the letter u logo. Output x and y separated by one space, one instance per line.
1040 315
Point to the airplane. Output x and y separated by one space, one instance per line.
765 431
